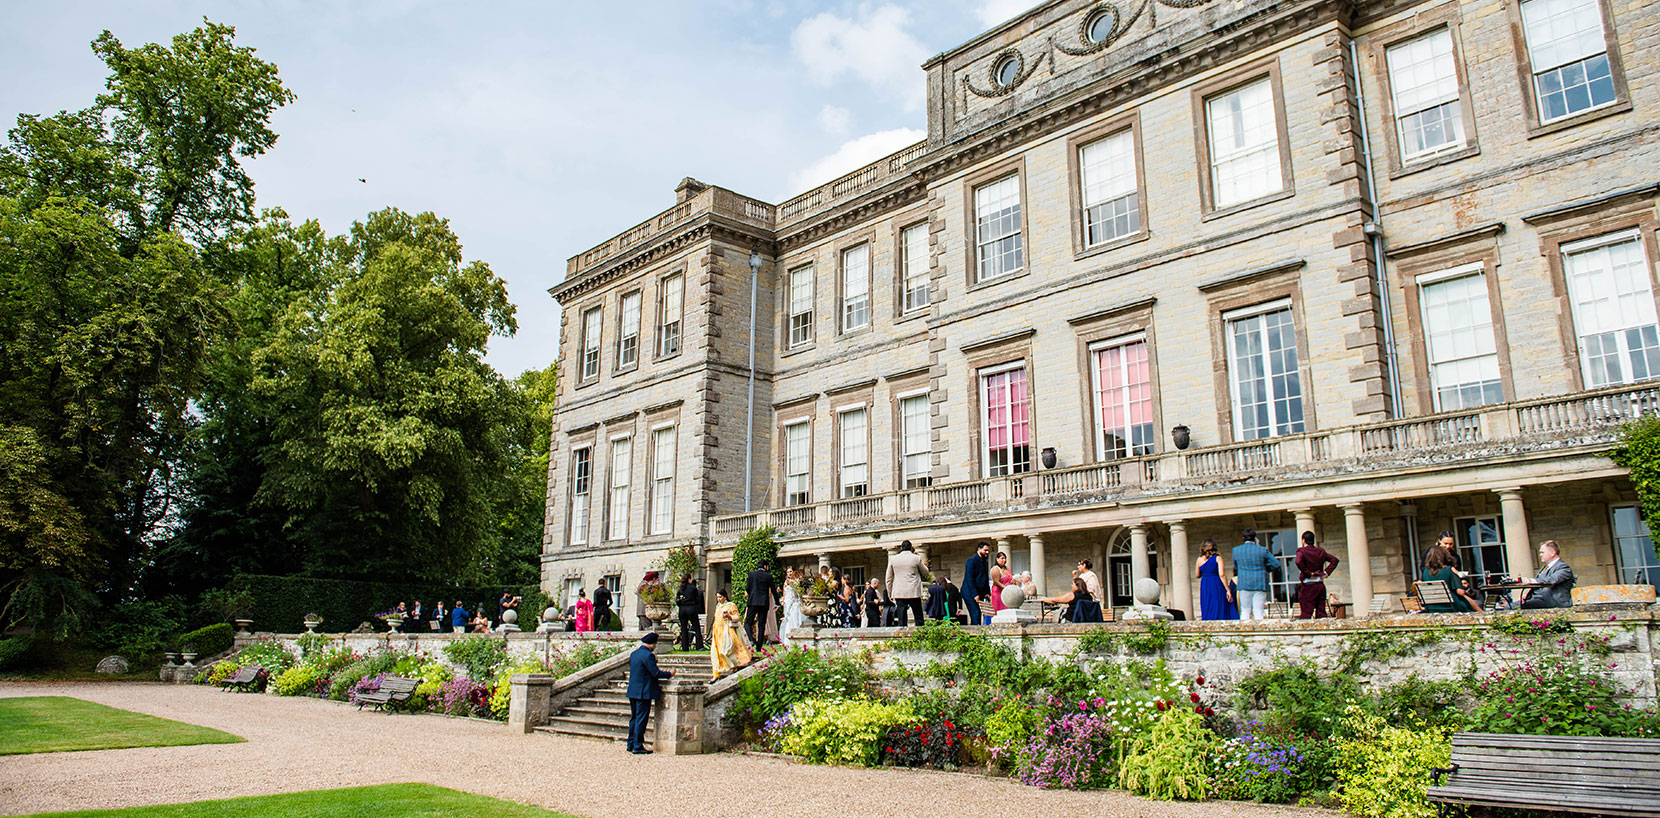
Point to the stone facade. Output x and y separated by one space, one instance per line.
1341 240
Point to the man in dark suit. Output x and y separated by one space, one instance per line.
1555 574
645 686
942 599
689 602
977 582
602 607
758 592
873 605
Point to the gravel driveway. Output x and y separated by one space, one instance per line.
303 744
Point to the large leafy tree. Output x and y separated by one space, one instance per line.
107 308
393 443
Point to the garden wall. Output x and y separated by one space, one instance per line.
519 645
1380 652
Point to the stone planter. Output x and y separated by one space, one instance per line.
188 657
311 625
172 657
244 626
657 611
815 606
394 622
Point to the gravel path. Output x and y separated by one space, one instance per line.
303 744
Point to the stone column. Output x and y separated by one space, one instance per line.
529 698
1359 562
1138 554
1040 565
679 717
1181 568
1518 547
824 559
1305 522
711 586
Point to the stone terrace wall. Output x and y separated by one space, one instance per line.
519 645
1390 649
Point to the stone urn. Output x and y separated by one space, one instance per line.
814 605
244 626
172 657
394 622
657 611
311 624
188 656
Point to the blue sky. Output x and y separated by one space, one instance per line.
537 129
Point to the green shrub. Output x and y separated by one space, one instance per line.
14 649
312 645
794 675
1383 770
1008 729
211 640
480 655
137 628
340 684
755 545
1436 703
1557 696
267 653
1172 760
220 671
566 661
844 731
299 680
503 691
1297 699
432 677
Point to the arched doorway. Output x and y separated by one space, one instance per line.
1118 579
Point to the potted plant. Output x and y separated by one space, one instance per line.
815 596
187 652
655 595
311 622
392 617
172 655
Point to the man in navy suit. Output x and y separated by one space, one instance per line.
977 582
645 685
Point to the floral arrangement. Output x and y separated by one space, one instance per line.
654 593
937 744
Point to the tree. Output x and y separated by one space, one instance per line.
523 512
393 436
106 306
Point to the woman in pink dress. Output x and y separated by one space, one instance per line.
1001 577
584 612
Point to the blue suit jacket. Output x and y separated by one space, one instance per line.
1253 563
645 679
976 578
459 617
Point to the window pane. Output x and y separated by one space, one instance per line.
1614 314
662 480
628 334
998 244
590 343
916 263
917 442
668 328
1124 401
854 445
856 287
581 479
1424 83
1268 395
1639 565
1458 333
622 463
1007 427
798 463
1110 196
1244 144
801 307
1569 55
1480 544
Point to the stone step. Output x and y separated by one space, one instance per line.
607 696
590 734
598 715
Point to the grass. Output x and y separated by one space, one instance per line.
383 801
56 724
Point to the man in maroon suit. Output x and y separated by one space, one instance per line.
1315 564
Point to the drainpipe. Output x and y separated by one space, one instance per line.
749 414
1374 229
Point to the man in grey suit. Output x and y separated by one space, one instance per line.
906 574
1557 575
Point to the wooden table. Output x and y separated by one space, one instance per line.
1492 591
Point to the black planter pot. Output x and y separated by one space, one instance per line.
1179 435
1048 457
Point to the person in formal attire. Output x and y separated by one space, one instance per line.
873 604
1314 564
1557 575
1253 563
847 604
935 607
602 606
758 588
645 687
584 612
953 599
459 618
440 617
417 619
728 649
907 576
1216 601
568 617
793 617
977 582
1080 604
1085 571
1438 568
688 603
1001 577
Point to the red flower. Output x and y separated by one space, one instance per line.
1194 697
1200 680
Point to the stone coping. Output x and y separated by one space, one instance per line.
518 636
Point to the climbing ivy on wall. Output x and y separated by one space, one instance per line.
757 545
1639 451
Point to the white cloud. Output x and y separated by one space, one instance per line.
853 155
872 45
997 12
835 119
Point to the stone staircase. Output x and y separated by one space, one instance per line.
603 713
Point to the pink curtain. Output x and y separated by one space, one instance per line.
1007 422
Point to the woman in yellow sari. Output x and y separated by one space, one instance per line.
728 647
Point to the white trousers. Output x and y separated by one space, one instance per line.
1253 604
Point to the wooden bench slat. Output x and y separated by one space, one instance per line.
1510 758
1610 776
1634 745
1610 785
1634 806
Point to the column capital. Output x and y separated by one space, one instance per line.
1302 510
1352 508
1509 493
1135 527
1176 525
1035 536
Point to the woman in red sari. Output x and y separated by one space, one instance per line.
584 612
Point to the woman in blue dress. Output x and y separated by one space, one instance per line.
1216 600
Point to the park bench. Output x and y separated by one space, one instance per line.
1607 776
393 690
245 679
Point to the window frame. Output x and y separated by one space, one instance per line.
655 498
841 451
1098 428
614 522
1464 249
1427 23
981 377
622 363
971 228
903 478
593 316
1229 296
1494 326
1651 566
1234 81
904 264
1603 241
1246 313
1535 124
677 281
787 326
585 518
842 288
1467 564
1075 184
789 497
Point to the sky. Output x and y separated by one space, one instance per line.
539 129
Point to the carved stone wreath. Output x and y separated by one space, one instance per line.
1021 72
1121 24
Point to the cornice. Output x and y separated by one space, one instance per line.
705 226
896 195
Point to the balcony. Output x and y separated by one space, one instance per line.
1570 422
716 200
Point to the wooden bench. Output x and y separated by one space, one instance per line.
1607 776
393 690
245 679
1433 593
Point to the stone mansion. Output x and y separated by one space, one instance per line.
1162 270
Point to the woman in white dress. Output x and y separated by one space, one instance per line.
793 618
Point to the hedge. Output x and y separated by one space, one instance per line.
13 649
209 641
281 603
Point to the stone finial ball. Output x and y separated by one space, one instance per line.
1147 591
550 614
509 616
1014 596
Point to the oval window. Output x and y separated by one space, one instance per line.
1007 71
1099 27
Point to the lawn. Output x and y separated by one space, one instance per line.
55 724
384 801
